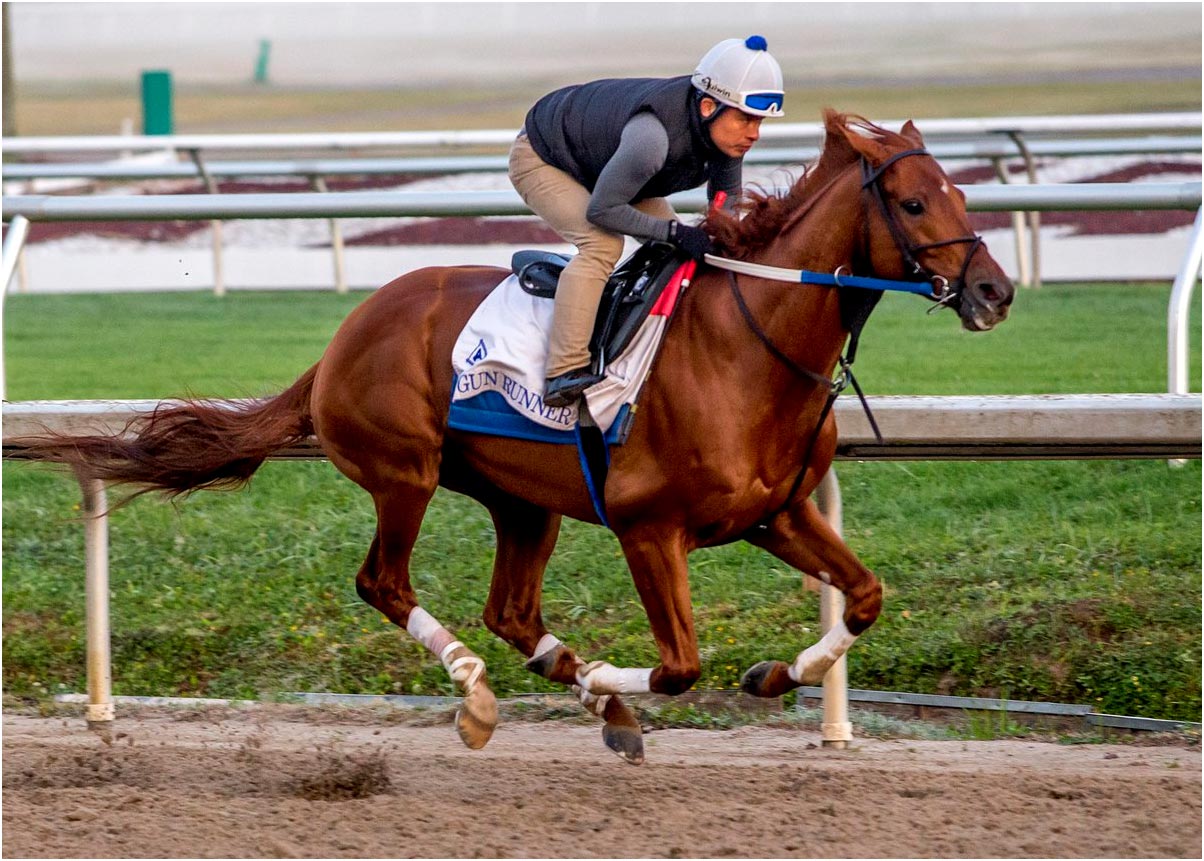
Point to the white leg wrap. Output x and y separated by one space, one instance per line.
592 703
546 644
426 629
814 662
465 670
599 677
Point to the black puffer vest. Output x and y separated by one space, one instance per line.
577 129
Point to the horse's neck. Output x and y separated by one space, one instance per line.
802 321
828 231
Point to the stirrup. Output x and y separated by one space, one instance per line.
563 390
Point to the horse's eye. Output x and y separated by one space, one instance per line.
913 207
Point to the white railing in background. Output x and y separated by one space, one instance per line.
361 204
1006 140
484 138
1002 148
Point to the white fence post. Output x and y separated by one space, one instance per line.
96 589
1177 313
336 241
14 242
219 280
837 729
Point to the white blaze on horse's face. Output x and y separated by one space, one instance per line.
945 187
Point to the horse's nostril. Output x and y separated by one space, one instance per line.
988 291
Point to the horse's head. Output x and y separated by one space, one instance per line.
917 221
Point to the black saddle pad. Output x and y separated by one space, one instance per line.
629 295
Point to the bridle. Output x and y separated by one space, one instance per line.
943 292
946 292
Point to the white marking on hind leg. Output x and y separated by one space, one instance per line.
546 644
461 664
426 629
592 703
599 677
465 668
814 661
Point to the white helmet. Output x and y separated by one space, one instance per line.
742 74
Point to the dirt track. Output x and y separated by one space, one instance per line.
287 782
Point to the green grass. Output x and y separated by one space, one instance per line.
1064 581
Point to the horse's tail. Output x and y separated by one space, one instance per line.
187 445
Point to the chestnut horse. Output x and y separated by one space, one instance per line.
731 439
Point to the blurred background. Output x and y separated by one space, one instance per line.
72 68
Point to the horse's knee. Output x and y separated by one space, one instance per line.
674 680
863 605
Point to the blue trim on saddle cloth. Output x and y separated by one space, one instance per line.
489 413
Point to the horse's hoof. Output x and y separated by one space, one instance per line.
477 718
622 732
625 741
767 679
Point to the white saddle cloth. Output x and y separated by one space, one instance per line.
503 350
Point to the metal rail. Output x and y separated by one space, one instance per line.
1002 148
483 138
982 428
367 204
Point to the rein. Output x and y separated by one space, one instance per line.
821 279
927 288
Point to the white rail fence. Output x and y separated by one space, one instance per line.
22 209
993 150
775 133
998 139
317 171
914 428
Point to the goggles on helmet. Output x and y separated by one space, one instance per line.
763 101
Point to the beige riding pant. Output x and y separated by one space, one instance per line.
561 201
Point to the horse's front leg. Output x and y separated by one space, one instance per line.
526 536
802 537
657 560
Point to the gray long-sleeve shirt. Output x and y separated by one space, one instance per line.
643 149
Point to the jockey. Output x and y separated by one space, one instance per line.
596 161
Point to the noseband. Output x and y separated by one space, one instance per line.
942 289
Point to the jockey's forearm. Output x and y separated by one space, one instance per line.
642 152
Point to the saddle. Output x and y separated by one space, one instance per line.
629 295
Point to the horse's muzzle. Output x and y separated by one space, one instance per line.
985 297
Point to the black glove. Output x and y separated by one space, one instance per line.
692 240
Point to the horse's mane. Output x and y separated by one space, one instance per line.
764 213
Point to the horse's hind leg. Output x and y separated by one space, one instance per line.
802 537
526 535
384 582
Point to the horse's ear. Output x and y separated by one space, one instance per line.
911 134
840 129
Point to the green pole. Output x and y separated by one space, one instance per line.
156 102
261 62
